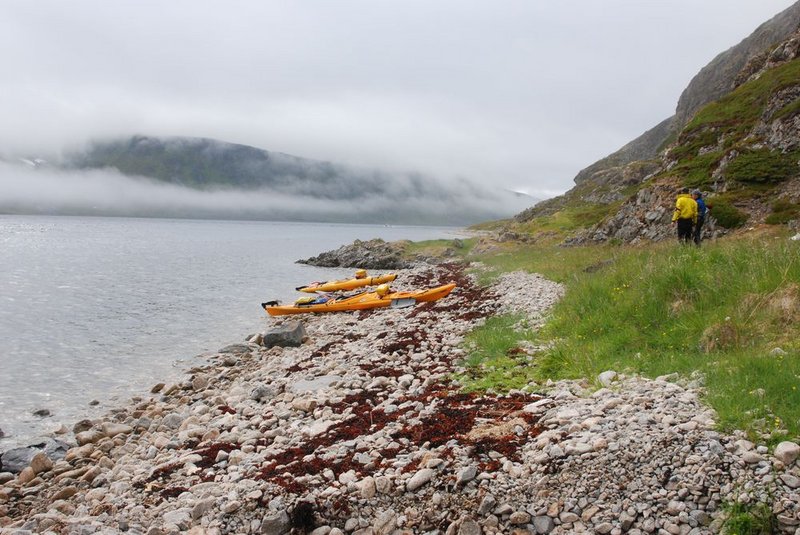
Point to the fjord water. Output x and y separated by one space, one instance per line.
103 308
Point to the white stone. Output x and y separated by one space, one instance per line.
419 479
787 452
368 488
607 377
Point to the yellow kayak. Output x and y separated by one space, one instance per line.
347 284
361 301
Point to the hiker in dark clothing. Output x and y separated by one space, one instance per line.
697 195
685 215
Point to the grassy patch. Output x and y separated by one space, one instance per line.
691 141
762 166
738 111
788 111
495 360
726 123
440 248
492 225
561 264
716 312
727 215
748 519
783 211
576 216
695 172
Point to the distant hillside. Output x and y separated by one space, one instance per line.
257 184
212 164
741 146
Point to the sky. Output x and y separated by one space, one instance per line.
518 94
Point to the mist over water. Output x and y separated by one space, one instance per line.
106 192
103 308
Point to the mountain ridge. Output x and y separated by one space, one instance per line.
291 188
714 80
741 148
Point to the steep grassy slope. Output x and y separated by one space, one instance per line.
733 140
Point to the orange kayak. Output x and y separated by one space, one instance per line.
346 284
361 301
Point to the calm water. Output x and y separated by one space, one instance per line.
103 308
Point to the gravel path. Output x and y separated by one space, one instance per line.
360 430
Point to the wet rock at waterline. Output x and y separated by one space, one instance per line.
371 254
17 459
288 334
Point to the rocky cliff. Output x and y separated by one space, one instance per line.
735 135
609 179
743 150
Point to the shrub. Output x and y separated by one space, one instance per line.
722 336
727 215
762 166
696 171
783 211
745 519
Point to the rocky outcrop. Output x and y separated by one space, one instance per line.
647 216
372 254
757 150
644 147
16 459
288 334
723 74
605 185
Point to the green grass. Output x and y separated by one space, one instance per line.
560 264
762 166
718 310
494 363
748 519
692 141
695 171
783 211
726 214
727 124
577 215
739 110
788 111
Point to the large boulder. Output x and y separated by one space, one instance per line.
289 334
17 459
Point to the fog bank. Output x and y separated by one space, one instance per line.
26 190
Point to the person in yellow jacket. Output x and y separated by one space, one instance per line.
685 215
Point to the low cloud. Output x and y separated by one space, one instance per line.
521 94
42 190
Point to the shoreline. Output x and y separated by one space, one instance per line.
360 430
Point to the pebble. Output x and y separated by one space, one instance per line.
419 479
787 452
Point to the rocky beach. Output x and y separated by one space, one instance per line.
356 425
